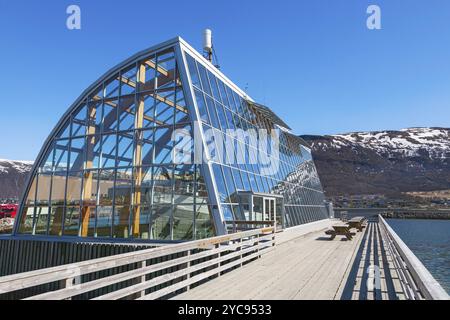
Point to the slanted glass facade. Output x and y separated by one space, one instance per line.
111 167
228 119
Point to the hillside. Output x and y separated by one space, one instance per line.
383 162
13 176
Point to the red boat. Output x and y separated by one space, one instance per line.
8 210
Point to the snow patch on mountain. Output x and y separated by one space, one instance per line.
7 166
433 143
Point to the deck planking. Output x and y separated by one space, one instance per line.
307 266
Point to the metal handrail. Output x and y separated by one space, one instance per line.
185 264
417 281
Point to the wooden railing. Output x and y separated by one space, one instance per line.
149 274
416 281
244 225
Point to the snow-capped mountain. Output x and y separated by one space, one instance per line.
13 176
407 142
387 162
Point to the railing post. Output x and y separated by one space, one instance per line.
67 283
219 255
188 267
240 249
257 243
143 265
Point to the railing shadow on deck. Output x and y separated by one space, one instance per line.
363 260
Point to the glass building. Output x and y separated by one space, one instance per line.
165 147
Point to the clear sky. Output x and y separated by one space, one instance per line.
313 62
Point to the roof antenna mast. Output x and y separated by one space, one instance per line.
208 48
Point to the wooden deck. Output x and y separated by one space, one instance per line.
310 266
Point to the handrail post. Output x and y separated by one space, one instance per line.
240 249
219 255
67 283
188 267
143 265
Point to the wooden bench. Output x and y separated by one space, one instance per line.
340 230
357 223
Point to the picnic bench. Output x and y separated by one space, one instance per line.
357 223
340 230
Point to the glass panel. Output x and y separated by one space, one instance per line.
166 69
193 71
228 213
143 212
128 80
109 149
212 112
72 221
160 222
121 221
145 139
110 122
127 111
74 186
77 150
61 155
163 185
26 222
184 184
91 211
183 222
221 116
258 208
149 111
201 106
56 218
223 93
220 183
164 114
106 190
41 220
65 131
94 115
125 150
163 145
104 221
204 78
229 181
92 152
112 87
150 74
123 187
58 189
79 121
203 222
147 187
214 87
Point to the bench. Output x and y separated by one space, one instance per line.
340 230
357 223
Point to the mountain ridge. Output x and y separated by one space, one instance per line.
383 162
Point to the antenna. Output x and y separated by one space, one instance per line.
207 44
208 48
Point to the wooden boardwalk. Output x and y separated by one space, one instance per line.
309 266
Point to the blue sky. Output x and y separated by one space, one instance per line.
313 62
